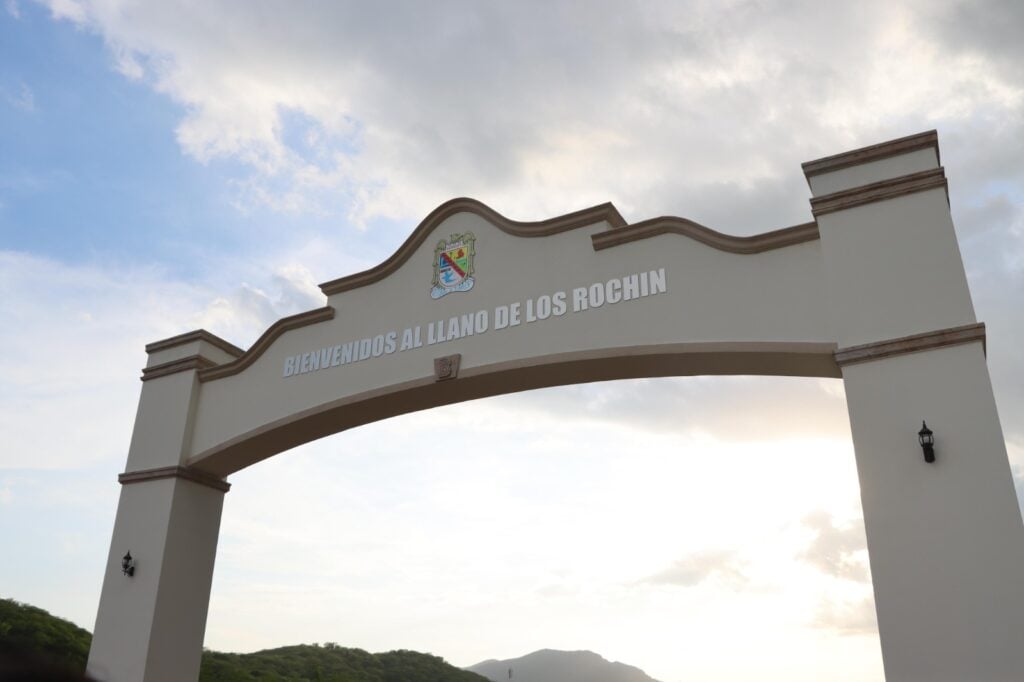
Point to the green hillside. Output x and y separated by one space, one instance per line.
330 663
28 631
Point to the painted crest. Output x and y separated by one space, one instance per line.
453 264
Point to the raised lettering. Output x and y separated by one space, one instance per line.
613 290
558 301
453 329
579 299
466 325
658 285
365 346
630 287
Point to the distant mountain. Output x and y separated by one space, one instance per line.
32 639
548 665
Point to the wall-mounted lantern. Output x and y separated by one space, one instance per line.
927 440
128 565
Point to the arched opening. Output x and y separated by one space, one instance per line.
656 521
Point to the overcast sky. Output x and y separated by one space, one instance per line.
172 165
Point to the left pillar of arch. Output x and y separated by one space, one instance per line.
150 625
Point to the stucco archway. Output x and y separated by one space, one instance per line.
473 304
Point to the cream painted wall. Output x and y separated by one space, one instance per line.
946 540
714 297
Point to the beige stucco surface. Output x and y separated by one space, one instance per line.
771 302
946 540
874 171
170 526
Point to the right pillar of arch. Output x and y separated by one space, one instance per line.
945 539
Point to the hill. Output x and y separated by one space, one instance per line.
30 632
548 665
27 632
329 663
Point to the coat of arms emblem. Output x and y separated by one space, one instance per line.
453 264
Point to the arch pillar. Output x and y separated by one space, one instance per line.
150 625
945 540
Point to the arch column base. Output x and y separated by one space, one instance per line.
945 540
150 626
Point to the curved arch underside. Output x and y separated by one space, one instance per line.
779 359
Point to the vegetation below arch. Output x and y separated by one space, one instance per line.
30 632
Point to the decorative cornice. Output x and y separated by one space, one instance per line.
880 191
175 366
604 212
197 335
766 241
188 473
263 343
875 152
953 336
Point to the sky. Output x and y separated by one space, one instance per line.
176 165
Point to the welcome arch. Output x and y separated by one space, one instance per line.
473 304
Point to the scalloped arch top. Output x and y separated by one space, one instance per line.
621 233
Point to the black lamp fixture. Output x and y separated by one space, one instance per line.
927 440
128 565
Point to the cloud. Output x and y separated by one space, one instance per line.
12 8
701 110
837 551
847 617
681 107
69 376
742 409
723 567
23 99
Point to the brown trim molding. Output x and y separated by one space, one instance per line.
774 358
875 152
263 343
175 366
188 473
604 212
765 241
197 335
880 191
953 336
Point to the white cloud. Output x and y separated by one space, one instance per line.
700 109
68 9
721 566
838 551
12 8
855 617
23 99
658 107
69 375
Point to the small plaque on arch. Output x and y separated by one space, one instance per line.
447 367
